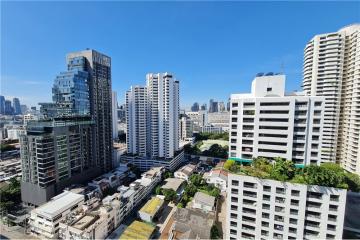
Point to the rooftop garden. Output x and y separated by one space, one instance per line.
327 174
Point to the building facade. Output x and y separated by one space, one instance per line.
269 209
152 118
267 123
331 69
98 66
55 154
16 106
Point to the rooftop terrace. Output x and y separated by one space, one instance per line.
137 230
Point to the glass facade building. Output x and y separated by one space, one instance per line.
71 90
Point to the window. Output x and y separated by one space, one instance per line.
233 224
264 224
234 104
265 215
233 207
334 198
266 188
233 215
234 191
269 89
235 183
293 221
234 199
233 231
294 211
264 233
266 197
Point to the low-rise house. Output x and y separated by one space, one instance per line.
45 219
138 230
97 224
185 172
190 224
218 177
203 202
175 184
151 208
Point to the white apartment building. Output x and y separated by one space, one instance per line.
44 220
269 209
164 109
331 69
114 105
268 123
152 118
186 128
136 121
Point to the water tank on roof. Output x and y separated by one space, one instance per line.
269 74
260 74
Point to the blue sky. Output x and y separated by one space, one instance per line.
213 48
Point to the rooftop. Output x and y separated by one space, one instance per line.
152 206
192 224
137 230
187 169
84 222
327 174
204 199
59 204
173 183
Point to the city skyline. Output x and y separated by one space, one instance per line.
225 56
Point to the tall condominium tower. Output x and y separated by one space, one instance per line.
2 105
269 123
152 117
16 106
332 69
163 95
8 108
195 107
137 121
98 66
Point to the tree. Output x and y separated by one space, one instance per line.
283 170
180 205
214 232
353 181
325 175
196 179
168 174
190 190
158 190
10 195
170 195
228 164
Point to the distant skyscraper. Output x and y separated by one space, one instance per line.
114 107
221 107
8 108
331 69
203 107
195 107
228 105
2 105
16 106
98 66
152 117
213 106
121 112
23 108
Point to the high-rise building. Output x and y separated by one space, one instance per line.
195 107
55 154
331 69
267 123
163 95
213 106
137 139
23 108
152 117
2 105
268 209
114 107
71 144
203 107
98 66
9 110
16 106
221 107
228 105
186 128
71 89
